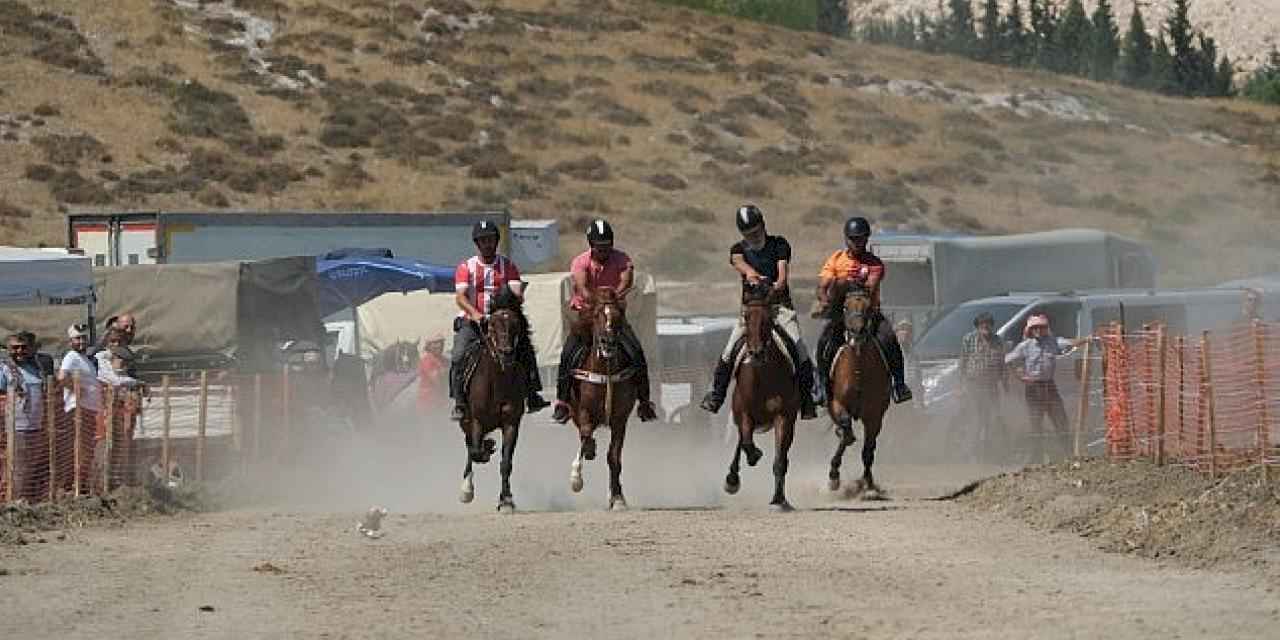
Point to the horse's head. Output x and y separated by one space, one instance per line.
757 315
857 309
502 332
607 319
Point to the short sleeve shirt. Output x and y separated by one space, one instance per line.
842 265
31 404
77 364
765 260
482 282
599 274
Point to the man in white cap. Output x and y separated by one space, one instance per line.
76 364
1037 356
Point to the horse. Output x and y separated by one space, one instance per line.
859 385
604 391
495 399
765 396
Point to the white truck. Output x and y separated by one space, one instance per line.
115 239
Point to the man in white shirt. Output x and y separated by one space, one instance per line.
77 365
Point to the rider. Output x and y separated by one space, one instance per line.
601 266
758 257
857 263
479 280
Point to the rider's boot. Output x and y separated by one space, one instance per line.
893 356
561 413
535 402
804 379
455 392
719 387
644 406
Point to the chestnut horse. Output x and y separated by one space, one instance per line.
765 396
604 391
859 383
495 400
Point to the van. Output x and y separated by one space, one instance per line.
1071 314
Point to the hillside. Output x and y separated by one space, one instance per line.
663 120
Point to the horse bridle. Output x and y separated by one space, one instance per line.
491 342
604 342
856 335
770 325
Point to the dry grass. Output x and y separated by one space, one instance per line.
613 109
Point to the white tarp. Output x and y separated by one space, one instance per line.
411 317
38 277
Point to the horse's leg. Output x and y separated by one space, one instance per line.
468 491
733 482
747 441
844 429
617 436
784 430
872 426
510 434
575 470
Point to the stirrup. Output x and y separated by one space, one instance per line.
646 411
901 393
458 413
562 413
711 402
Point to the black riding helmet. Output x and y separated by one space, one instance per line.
599 232
483 229
857 226
749 217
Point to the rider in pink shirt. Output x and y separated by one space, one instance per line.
601 266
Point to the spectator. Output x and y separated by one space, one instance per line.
113 366
1038 355
431 368
75 364
44 360
1251 306
114 339
29 452
982 372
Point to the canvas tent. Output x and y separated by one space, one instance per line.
208 315
417 315
40 277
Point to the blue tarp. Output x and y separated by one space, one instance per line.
354 280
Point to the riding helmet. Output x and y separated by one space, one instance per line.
484 228
599 232
857 226
749 217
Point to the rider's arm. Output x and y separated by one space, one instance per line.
826 277
580 285
464 303
784 260
739 263
627 282
514 283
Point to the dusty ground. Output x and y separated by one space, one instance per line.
685 562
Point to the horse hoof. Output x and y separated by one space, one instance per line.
781 507
732 484
589 449
617 503
507 507
753 456
466 497
575 483
833 484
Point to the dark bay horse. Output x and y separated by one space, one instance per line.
765 396
495 400
859 384
604 391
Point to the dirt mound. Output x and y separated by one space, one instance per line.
23 523
1169 513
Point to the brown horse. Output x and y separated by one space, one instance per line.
859 385
765 396
604 391
495 400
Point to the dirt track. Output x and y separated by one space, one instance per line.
907 567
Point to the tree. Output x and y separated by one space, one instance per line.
1044 21
833 18
1204 82
1162 77
1135 64
991 42
1014 42
1185 61
1104 47
1264 83
1224 78
1073 37
960 39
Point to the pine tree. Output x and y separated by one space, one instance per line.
1013 37
1205 80
1162 76
1224 78
833 18
1185 61
1104 47
961 38
1073 37
991 44
1135 65
1044 21
1264 83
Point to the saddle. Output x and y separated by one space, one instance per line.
789 349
